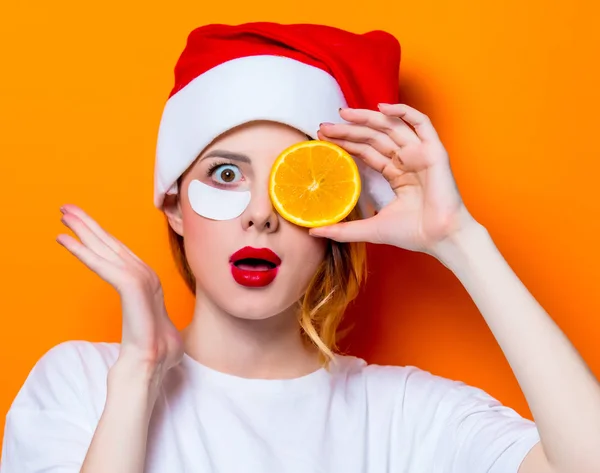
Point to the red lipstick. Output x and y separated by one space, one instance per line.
254 267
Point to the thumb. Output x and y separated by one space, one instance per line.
356 230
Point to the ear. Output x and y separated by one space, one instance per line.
172 210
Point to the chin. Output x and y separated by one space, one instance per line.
252 303
262 299
256 304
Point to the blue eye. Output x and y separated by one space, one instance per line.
225 173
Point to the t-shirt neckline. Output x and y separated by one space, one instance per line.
204 374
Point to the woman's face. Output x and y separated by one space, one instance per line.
236 163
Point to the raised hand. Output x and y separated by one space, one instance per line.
148 335
402 144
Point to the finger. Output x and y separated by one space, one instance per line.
102 234
392 126
92 260
87 237
366 153
356 230
382 142
418 120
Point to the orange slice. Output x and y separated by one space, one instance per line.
314 183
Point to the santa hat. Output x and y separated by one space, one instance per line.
299 75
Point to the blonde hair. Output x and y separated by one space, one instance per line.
334 285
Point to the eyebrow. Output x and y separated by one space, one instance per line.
228 155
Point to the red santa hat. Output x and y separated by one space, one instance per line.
299 75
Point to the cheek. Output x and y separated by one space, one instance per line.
307 251
205 242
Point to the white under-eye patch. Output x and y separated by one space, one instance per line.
217 204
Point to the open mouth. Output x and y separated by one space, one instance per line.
254 264
254 267
255 259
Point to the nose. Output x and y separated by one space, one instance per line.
260 214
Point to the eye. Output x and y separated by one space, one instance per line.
225 173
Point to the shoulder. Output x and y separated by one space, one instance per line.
54 415
70 357
393 376
80 351
69 371
466 428
416 390
427 400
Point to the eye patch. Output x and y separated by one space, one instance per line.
217 204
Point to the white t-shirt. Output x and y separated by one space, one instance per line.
354 418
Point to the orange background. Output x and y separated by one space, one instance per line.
512 88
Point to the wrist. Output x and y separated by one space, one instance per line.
134 381
455 250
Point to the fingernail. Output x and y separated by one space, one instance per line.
325 124
62 210
382 104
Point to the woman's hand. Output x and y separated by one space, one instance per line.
402 144
149 338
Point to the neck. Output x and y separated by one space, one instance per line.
269 348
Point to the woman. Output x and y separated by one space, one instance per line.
253 384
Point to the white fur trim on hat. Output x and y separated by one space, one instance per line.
246 89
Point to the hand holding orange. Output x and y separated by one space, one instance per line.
401 143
